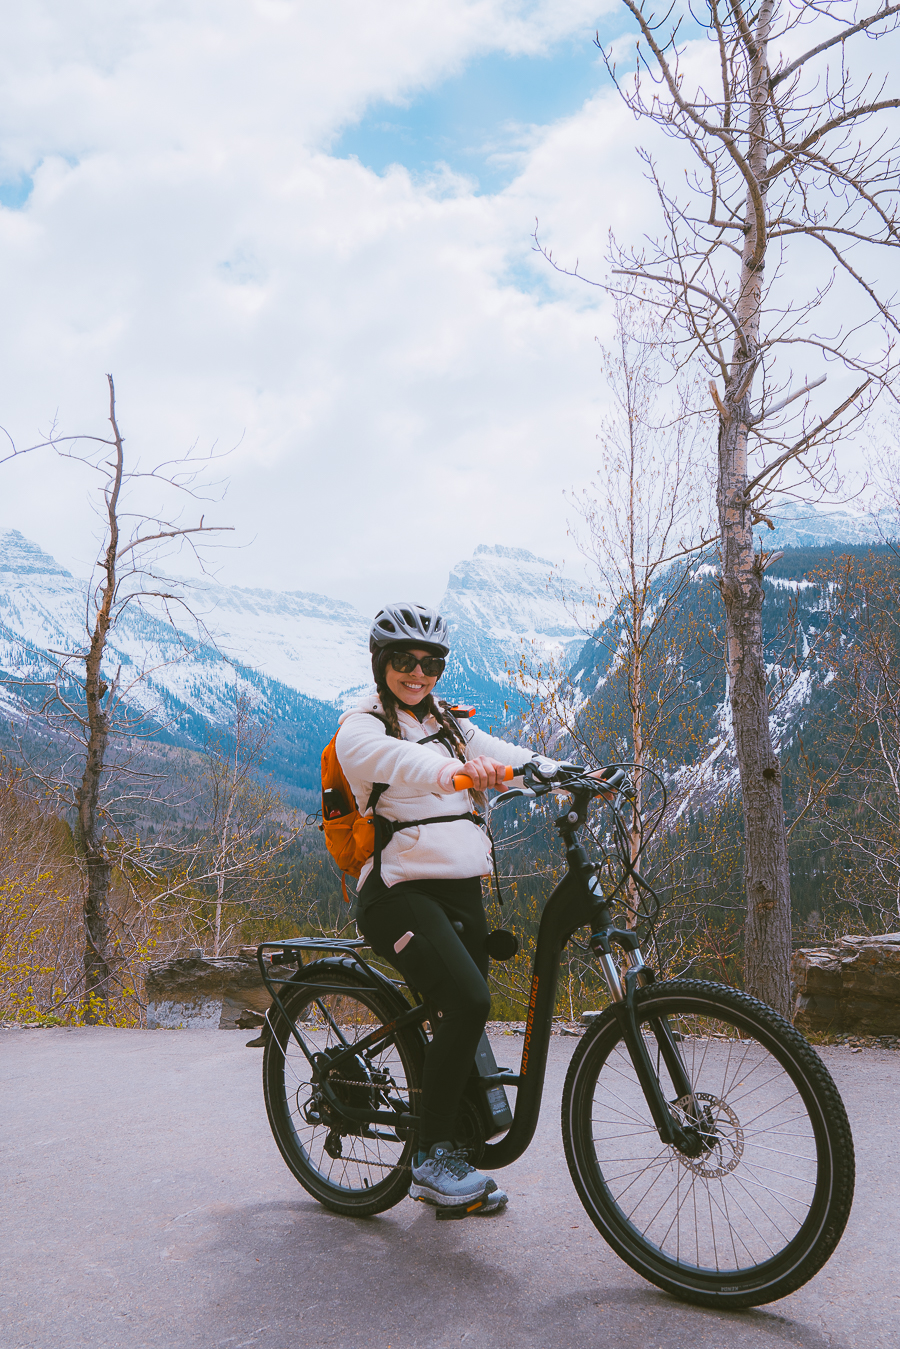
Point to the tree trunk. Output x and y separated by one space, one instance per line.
96 859
767 944
220 898
637 741
767 935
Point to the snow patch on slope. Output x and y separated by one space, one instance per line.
504 602
314 644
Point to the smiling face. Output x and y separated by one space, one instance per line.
410 689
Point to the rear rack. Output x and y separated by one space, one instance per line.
288 951
288 944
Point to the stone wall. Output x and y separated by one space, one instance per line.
201 992
853 986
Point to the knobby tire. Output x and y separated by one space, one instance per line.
763 1207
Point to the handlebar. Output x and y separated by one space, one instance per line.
462 782
615 784
605 782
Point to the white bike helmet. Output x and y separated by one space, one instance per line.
409 623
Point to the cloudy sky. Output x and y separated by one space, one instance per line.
303 230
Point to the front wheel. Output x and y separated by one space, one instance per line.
355 1169
763 1205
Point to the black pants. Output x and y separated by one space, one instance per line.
448 967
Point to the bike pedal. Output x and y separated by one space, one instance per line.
461 1210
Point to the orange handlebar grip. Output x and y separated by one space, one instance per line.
462 781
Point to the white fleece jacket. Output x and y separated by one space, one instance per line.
420 785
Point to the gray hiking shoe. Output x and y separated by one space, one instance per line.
494 1202
445 1178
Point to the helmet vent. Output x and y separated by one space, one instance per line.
416 624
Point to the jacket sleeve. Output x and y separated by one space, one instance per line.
368 754
479 742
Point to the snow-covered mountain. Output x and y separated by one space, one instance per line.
801 526
43 613
499 603
298 654
308 643
505 603
311 643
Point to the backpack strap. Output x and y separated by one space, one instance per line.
438 735
443 737
385 830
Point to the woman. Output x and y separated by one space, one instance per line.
420 904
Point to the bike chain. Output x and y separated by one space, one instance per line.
356 1082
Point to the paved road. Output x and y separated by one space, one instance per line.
145 1205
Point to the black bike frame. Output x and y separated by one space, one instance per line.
576 902
573 904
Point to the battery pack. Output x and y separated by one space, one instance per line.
493 1099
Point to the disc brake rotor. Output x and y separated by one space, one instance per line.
720 1129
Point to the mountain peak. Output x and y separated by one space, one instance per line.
503 602
511 554
21 555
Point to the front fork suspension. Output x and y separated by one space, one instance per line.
622 991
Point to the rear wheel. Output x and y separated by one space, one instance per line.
356 1169
763 1205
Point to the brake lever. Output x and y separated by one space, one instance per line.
534 778
510 793
617 783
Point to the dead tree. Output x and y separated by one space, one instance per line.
235 860
788 171
642 523
88 706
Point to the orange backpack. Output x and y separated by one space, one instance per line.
349 836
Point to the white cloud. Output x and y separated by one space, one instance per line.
404 378
395 399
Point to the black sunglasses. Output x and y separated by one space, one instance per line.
404 662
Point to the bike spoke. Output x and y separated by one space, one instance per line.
376 1078
748 1192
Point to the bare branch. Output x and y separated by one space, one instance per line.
175 534
804 443
778 407
686 285
841 37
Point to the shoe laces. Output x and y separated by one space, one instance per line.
456 1162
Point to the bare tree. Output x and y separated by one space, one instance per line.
790 173
234 860
87 705
642 523
851 750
